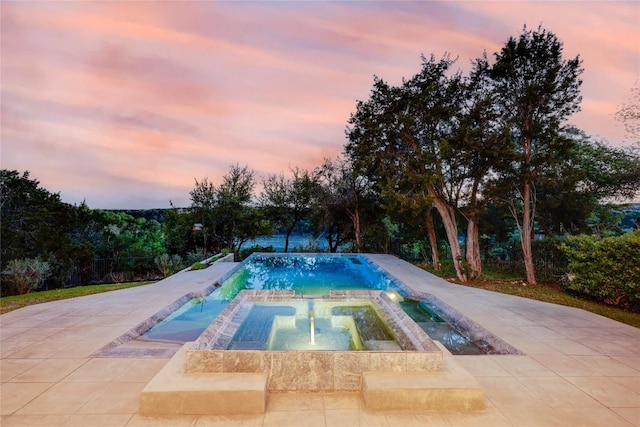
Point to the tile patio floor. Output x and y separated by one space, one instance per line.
580 369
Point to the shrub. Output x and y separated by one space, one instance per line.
24 275
311 246
198 255
199 265
169 264
256 248
606 270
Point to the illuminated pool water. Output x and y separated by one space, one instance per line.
304 274
311 276
313 324
315 274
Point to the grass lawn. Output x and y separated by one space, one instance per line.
11 303
500 281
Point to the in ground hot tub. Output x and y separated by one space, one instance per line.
277 333
313 324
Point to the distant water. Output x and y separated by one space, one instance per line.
295 240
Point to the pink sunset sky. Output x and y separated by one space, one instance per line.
123 104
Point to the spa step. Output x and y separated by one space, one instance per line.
173 392
452 389
382 345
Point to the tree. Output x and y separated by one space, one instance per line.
178 231
629 115
478 148
345 195
414 209
611 173
289 200
35 223
204 199
537 90
575 192
233 200
404 135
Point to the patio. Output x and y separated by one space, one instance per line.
579 369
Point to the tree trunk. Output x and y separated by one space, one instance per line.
286 239
527 233
473 247
431 231
355 219
449 220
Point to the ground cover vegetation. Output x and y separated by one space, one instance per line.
478 171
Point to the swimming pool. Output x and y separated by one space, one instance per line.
310 275
315 274
305 274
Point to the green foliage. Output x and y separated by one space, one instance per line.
606 270
36 223
225 213
244 253
199 266
169 264
180 237
26 274
200 254
124 236
287 201
311 246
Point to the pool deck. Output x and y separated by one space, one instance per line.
579 369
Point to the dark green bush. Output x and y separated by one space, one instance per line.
606 270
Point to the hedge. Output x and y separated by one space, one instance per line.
606 270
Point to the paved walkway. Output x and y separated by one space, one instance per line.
580 369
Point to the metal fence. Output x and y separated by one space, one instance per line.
113 270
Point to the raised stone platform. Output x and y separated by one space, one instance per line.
174 392
452 389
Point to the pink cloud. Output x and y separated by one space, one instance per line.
119 99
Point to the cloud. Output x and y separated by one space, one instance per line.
128 102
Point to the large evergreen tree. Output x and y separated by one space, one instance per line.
537 90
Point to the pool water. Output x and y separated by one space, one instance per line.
424 314
188 322
313 325
307 275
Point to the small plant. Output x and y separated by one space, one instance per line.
117 277
198 255
311 246
199 266
169 264
26 274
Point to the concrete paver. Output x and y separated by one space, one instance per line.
578 368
